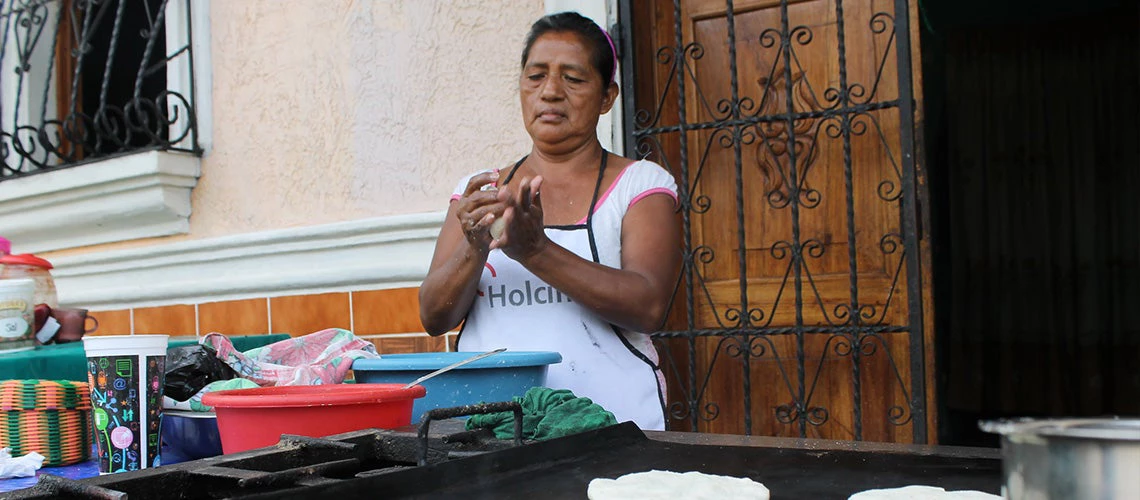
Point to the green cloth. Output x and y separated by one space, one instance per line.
69 362
547 414
219 385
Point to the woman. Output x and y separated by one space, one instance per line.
570 249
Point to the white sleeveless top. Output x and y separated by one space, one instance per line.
616 368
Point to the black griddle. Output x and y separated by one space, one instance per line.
564 467
447 461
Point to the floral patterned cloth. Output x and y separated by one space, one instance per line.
324 357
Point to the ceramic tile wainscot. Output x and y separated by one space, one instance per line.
398 344
304 314
234 317
386 311
388 318
170 320
116 322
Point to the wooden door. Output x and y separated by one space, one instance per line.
800 309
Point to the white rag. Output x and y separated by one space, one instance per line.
25 466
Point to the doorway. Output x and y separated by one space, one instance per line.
788 125
1028 146
1034 167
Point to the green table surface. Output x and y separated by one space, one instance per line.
68 361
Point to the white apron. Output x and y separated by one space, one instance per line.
517 310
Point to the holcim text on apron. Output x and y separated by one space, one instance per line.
528 295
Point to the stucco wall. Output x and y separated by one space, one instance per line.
333 110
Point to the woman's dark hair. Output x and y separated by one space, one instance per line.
601 49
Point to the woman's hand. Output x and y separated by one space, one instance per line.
478 208
522 234
461 251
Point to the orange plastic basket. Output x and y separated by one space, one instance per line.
49 417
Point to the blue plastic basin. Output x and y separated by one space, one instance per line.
189 435
496 378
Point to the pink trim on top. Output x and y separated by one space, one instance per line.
655 191
602 199
455 197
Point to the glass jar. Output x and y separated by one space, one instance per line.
31 267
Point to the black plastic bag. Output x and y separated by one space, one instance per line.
190 368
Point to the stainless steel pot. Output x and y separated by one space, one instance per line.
1069 459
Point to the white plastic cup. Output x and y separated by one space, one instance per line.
126 374
17 315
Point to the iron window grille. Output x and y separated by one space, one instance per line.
84 80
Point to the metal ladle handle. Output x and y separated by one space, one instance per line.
455 365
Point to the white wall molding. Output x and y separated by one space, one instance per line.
384 252
140 195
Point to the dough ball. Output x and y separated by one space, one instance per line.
921 493
497 228
657 484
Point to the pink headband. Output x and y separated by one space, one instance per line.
613 50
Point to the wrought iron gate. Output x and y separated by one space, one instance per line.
853 329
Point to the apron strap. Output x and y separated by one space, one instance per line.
653 367
511 174
594 204
593 200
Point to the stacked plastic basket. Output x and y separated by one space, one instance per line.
49 417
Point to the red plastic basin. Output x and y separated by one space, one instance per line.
255 418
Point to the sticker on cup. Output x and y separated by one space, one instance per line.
122 437
16 315
13 327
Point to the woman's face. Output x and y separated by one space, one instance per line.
562 93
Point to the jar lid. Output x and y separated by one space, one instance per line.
25 259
